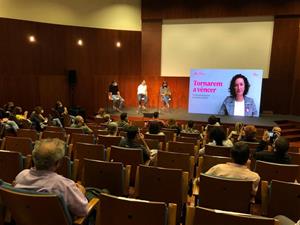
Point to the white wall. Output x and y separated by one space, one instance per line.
225 43
110 14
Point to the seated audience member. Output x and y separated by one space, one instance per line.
132 141
107 119
101 112
112 129
156 118
123 122
79 123
9 108
8 124
277 155
46 156
237 169
212 121
216 137
248 134
58 113
21 118
39 122
267 142
172 124
238 126
154 128
190 128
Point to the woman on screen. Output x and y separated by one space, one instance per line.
238 104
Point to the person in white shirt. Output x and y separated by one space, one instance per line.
142 95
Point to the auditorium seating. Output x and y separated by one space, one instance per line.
11 163
281 198
65 168
160 138
54 128
206 216
30 207
182 147
19 144
216 150
55 134
224 193
29 133
162 184
114 210
72 130
84 138
108 141
109 175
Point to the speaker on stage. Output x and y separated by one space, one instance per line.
72 77
148 115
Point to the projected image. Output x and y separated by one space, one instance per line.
225 92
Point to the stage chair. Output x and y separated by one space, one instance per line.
216 150
109 175
11 163
33 208
127 156
53 134
134 212
182 147
160 138
108 141
54 128
224 193
72 130
206 216
18 144
162 184
85 150
281 198
174 160
207 161
29 133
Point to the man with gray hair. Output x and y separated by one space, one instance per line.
47 155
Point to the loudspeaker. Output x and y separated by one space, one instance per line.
148 115
72 77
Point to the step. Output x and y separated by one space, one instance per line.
290 131
293 137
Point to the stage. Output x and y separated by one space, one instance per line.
182 115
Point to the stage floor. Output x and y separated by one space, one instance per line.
181 114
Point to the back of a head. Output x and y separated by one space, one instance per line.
123 116
79 119
47 152
190 123
106 117
281 145
240 153
155 115
212 120
238 126
154 127
250 132
131 132
112 128
217 134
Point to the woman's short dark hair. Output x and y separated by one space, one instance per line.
232 84
218 135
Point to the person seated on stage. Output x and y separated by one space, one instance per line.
190 128
46 156
112 129
123 122
133 140
238 168
154 128
248 134
165 94
172 124
101 112
142 95
216 137
39 122
278 154
79 123
115 96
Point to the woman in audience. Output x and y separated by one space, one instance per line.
112 129
172 124
237 130
101 112
21 118
154 128
248 134
216 137
39 122
190 128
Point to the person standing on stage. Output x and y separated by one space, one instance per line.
165 94
114 95
142 95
